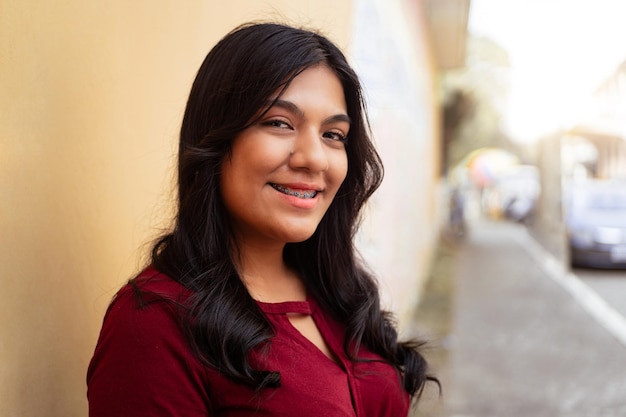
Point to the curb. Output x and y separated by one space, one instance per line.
587 298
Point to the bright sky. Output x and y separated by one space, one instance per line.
560 51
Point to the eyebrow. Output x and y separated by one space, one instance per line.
292 107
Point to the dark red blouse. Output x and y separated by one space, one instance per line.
143 366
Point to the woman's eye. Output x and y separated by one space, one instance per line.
335 136
277 123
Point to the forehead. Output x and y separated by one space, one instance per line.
317 82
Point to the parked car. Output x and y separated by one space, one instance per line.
595 218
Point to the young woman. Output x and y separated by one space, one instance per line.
255 303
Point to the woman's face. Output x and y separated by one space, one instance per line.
285 170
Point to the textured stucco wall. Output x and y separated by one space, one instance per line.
392 53
91 97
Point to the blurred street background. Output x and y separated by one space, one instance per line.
511 335
525 303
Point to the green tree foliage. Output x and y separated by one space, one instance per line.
475 99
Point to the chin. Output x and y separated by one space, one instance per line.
299 237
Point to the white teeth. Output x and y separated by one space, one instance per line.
289 191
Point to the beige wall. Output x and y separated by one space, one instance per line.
91 97
392 54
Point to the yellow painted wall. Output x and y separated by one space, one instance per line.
91 98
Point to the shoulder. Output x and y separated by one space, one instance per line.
150 306
149 288
142 349
148 309
151 285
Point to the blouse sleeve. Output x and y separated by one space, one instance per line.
143 366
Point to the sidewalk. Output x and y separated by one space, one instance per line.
507 341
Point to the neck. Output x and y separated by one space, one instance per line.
266 275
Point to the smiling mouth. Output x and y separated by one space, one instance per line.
295 193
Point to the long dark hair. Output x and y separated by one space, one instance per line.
232 86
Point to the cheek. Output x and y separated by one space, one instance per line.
340 168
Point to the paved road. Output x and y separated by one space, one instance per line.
610 284
509 341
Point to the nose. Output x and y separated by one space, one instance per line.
309 152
